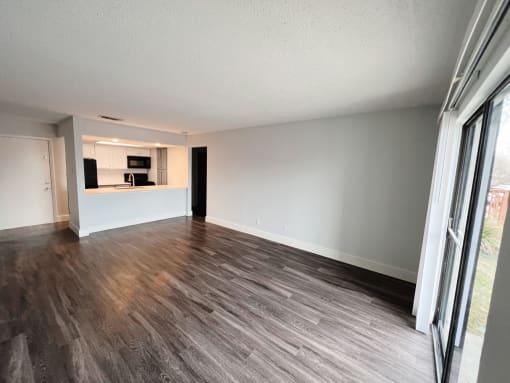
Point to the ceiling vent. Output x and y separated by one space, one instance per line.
110 118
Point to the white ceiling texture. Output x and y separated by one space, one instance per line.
205 65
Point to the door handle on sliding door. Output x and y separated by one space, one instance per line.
455 236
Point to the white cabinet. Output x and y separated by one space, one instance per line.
119 158
138 152
115 157
109 157
89 151
103 157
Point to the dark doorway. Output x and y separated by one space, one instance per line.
198 181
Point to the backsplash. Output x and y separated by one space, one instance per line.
115 176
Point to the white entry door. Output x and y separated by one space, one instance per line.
25 194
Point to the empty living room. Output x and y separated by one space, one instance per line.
255 191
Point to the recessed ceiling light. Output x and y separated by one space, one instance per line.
110 118
115 140
158 144
116 144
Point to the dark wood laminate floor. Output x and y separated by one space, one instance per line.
185 301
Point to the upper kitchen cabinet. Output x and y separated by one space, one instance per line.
109 157
119 158
143 152
104 157
112 157
89 151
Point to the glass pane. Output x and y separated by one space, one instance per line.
467 351
452 272
460 209
463 196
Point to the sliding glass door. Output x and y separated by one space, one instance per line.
478 211
456 231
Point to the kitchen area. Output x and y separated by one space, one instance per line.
113 165
128 182
121 175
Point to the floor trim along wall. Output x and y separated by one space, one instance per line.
392 271
62 218
76 230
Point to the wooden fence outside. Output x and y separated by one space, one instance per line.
497 204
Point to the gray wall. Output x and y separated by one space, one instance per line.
105 129
351 188
66 130
60 178
19 126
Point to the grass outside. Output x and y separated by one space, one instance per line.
482 292
484 278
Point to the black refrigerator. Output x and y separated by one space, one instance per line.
90 170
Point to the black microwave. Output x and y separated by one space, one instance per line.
137 162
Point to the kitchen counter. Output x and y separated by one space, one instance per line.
112 207
104 190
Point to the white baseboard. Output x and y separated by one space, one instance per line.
76 230
392 271
62 218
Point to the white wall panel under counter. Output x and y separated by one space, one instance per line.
109 210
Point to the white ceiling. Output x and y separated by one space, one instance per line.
197 65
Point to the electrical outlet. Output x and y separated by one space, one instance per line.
285 228
259 221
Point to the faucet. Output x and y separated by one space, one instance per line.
131 179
